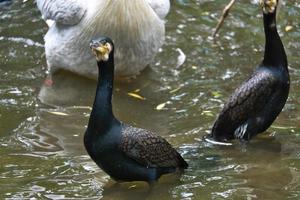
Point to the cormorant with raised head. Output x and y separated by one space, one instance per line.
254 106
124 152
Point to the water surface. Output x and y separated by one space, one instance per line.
41 128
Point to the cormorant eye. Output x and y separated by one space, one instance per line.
108 46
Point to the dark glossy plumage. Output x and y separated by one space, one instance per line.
124 152
257 102
149 149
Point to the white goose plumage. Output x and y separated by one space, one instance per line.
136 26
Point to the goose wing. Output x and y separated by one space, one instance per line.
149 149
67 12
160 7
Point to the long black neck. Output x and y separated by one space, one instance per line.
102 115
274 51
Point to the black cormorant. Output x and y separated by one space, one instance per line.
124 152
257 102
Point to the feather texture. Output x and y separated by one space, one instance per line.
137 29
65 12
246 102
254 106
149 149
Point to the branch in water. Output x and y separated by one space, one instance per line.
224 15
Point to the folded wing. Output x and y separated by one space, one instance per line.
149 149
67 12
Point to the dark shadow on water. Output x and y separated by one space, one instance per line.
65 106
142 190
71 89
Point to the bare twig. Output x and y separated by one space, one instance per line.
224 15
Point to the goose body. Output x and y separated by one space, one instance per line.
254 106
136 26
124 152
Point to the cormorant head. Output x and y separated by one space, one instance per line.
102 48
268 6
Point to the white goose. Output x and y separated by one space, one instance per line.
136 26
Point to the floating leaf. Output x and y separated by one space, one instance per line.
176 89
160 106
58 113
132 186
207 113
80 107
211 141
137 90
137 96
283 127
288 28
181 58
205 13
216 94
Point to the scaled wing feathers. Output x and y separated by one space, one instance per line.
147 148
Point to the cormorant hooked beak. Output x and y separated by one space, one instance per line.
101 49
268 6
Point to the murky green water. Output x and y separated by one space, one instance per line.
41 129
